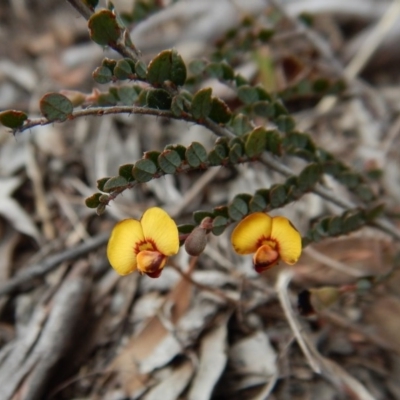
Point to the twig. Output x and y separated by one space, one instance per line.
282 289
40 269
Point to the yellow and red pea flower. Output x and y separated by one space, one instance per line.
271 239
143 245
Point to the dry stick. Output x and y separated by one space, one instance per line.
282 289
365 52
44 267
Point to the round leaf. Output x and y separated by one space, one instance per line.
220 112
102 75
12 118
256 142
144 170
104 28
55 107
116 182
93 201
196 154
201 103
169 161
238 209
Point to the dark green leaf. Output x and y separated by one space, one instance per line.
141 69
152 156
178 105
102 75
128 94
12 118
215 70
248 94
144 170
185 229
220 112
309 177
101 182
93 201
256 142
364 192
264 109
285 123
241 124
277 196
123 70
237 209
55 107
198 216
103 28
221 211
197 67
116 182
180 149
196 154
260 201
274 143
109 63
201 103
126 171
236 153
349 179
159 99
335 226
374 212
169 161
167 66
219 225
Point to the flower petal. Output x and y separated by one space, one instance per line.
249 233
288 239
265 258
161 229
151 263
121 246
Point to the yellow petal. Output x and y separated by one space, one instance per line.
249 233
151 263
288 239
160 229
121 246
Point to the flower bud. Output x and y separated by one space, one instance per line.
196 242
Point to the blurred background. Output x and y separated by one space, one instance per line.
70 328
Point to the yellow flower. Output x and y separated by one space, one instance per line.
270 239
144 245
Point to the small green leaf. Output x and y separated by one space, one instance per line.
101 182
167 66
180 149
352 222
215 70
169 161
219 225
103 28
248 94
109 63
12 118
238 209
364 192
152 156
116 182
198 216
220 112
185 228
217 155
221 211
274 143
196 154
309 177
144 170
285 123
349 179
374 212
201 103
55 107
178 105
159 99
93 201
236 152
256 142
260 201
141 69
128 94
264 109
277 196
241 124
123 70
197 67
126 171
335 226
102 75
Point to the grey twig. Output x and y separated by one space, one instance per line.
44 267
